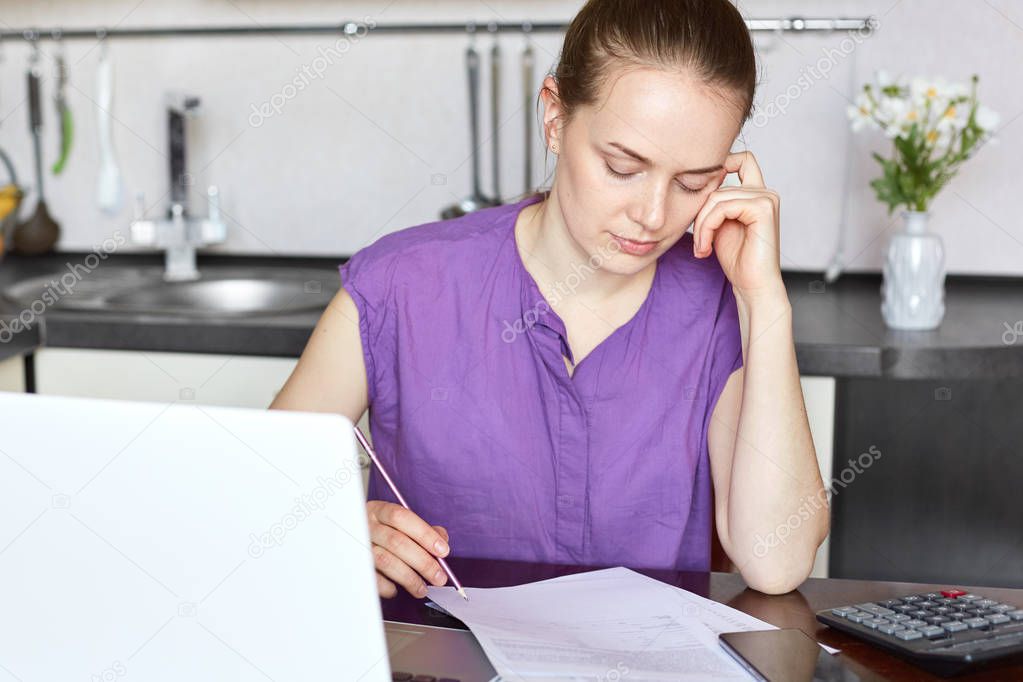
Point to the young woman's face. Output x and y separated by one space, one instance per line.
640 164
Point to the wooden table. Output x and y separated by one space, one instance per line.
793 610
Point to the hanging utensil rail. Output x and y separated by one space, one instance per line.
796 24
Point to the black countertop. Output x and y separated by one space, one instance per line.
838 328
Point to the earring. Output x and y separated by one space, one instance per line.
554 147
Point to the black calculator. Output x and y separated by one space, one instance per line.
946 632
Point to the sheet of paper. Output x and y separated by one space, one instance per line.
601 626
714 615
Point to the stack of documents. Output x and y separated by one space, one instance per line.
601 626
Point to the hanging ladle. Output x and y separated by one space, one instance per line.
38 234
477 199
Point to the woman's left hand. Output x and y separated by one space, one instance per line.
741 224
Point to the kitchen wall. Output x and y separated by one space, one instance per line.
379 141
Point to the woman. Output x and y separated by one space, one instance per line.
576 378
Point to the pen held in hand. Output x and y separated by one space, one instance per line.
401 500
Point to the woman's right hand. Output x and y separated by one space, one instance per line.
404 549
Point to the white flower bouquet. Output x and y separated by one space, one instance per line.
935 127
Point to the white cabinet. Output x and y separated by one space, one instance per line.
227 380
231 380
819 396
12 374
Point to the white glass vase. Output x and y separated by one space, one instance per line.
913 289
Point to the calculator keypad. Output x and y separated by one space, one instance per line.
948 621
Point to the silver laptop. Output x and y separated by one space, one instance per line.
176 541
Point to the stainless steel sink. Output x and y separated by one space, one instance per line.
221 291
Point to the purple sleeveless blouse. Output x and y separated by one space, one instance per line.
474 414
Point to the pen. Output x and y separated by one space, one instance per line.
394 489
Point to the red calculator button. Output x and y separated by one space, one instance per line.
952 594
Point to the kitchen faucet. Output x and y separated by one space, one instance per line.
179 233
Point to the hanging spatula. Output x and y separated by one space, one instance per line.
108 181
63 112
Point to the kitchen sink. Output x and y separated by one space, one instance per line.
220 291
